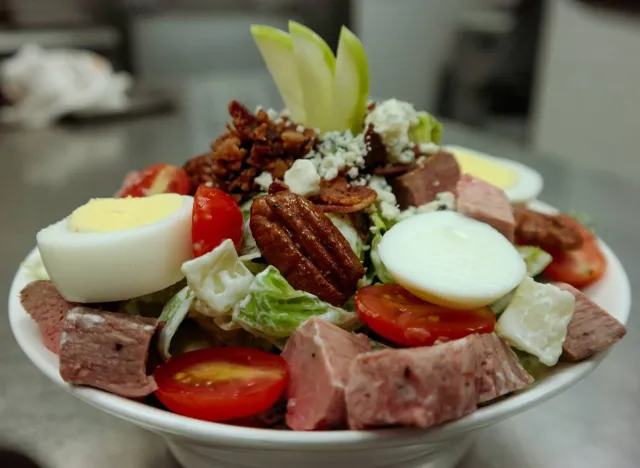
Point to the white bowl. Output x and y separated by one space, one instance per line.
199 444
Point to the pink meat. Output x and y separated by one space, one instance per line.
427 386
107 350
318 355
412 387
482 201
440 173
591 329
47 308
500 371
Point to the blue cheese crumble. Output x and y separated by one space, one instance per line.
337 151
392 120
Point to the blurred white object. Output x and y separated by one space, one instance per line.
44 85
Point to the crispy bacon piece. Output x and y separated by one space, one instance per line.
338 196
545 231
252 144
305 246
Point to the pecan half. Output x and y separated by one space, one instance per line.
305 246
545 231
338 196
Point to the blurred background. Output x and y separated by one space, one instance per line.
554 84
558 76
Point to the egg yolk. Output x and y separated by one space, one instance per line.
120 214
487 170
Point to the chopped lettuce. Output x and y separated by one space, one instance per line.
532 365
274 310
219 280
151 305
583 219
535 258
380 270
173 313
428 130
501 304
348 230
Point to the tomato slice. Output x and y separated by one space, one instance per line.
215 217
221 384
155 179
582 266
397 315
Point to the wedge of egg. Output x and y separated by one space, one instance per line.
448 259
114 249
520 183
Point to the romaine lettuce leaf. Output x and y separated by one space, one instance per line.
535 258
219 280
380 270
274 310
173 313
348 230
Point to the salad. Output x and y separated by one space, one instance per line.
327 266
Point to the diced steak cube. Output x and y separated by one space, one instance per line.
500 371
44 304
427 386
107 350
440 173
319 355
591 329
419 387
482 201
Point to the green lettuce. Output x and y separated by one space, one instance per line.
428 130
151 305
348 230
274 310
535 258
173 313
377 269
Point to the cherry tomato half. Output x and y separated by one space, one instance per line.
221 384
215 217
155 179
579 267
397 315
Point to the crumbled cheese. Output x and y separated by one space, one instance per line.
273 114
386 199
337 151
264 180
429 148
302 178
300 129
443 201
392 119
353 172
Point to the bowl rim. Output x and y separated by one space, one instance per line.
614 286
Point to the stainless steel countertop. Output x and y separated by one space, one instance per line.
48 173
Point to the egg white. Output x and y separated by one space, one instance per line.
529 182
114 266
448 259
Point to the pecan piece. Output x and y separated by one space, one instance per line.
305 246
338 196
545 231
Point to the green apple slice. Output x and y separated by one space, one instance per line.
276 48
316 65
350 84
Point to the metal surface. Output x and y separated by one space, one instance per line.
47 174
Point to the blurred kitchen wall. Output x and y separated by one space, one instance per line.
588 87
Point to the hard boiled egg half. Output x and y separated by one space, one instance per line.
448 259
113 249
520 183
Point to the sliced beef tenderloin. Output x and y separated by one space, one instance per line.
484 202
47 308
319 355
499 371
591 329
419 387
440 173
107 350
